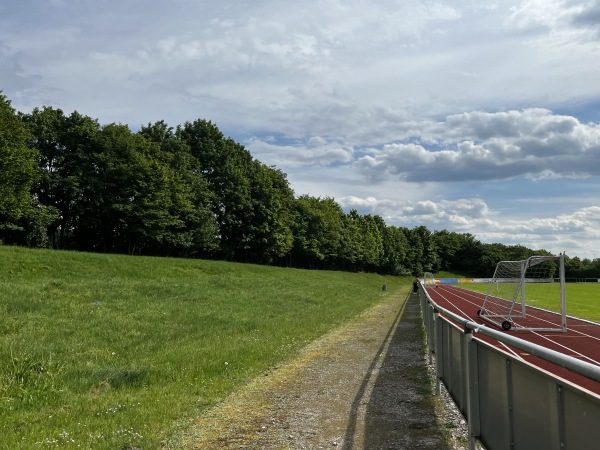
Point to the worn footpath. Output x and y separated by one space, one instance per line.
364 386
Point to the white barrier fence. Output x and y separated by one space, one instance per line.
509 404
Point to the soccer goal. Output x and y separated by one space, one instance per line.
517 286
428 279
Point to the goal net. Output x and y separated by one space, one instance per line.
428 279
517 286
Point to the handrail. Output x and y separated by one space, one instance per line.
568 362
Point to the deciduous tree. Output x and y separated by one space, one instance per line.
22 218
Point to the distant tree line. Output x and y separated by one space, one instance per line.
67 182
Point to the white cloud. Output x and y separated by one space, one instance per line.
577 232
480 145
317 151
573 233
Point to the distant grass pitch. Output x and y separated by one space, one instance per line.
582 299
108 352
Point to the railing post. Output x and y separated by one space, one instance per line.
464 373
472 374
439 345
431 331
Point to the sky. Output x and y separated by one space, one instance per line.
471 116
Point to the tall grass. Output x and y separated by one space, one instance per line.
105 351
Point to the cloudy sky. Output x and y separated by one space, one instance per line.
473 116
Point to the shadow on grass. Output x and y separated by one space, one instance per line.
118 378
399 412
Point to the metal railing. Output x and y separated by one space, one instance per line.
508 403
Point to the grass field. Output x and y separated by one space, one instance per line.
582 299
116 352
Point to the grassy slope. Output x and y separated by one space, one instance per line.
106 351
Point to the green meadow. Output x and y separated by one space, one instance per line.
117 352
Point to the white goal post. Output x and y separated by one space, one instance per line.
428 279
538 281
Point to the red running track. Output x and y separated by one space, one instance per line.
581 340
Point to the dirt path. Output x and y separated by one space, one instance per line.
364 386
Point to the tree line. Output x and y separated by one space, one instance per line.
68 182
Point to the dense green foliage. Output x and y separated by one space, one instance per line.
70 183
23 218
115 352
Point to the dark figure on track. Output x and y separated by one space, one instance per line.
415 285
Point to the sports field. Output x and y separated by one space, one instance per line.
582 299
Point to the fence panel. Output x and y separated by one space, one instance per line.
535 406
581 420
494 405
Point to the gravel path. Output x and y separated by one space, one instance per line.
364 386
